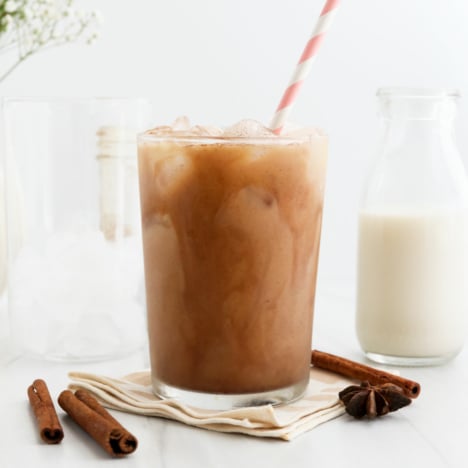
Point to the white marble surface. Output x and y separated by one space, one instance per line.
431 432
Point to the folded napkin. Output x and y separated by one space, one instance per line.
133 394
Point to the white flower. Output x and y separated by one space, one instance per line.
80 15
69 12
28 43
92 39
7 21
97 16
27 12
44 36
50 14
11 6
42 23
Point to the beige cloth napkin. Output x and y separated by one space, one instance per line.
133 394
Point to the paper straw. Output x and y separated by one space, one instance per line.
304 65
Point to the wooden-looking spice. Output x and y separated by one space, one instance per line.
373 400
86 411
355 370
50 430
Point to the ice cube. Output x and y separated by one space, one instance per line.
181 127
248 128
206 130
160 131
181 124
171 171
75 276
291 130
242 129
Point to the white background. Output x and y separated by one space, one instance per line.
218 61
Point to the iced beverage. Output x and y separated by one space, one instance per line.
231 231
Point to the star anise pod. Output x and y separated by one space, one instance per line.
373 400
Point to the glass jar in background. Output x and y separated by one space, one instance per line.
75 277
118 182
412 263
4 327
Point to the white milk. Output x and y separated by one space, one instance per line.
412 281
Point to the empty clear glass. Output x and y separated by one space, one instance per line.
75 278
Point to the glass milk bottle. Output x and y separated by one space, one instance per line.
412 250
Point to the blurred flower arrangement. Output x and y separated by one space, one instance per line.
30 26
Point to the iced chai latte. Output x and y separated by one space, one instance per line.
231 230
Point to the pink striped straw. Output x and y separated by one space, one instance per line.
304 65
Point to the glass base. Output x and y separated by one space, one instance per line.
411 361
215 401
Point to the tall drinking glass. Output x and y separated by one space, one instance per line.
231 232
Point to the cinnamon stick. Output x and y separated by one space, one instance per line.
50 430
362 372
86 411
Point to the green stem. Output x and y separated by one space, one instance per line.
10 70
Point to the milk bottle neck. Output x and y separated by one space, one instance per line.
418 163
425 136
417 104
421 123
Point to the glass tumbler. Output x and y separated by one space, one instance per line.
74 272
231 234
